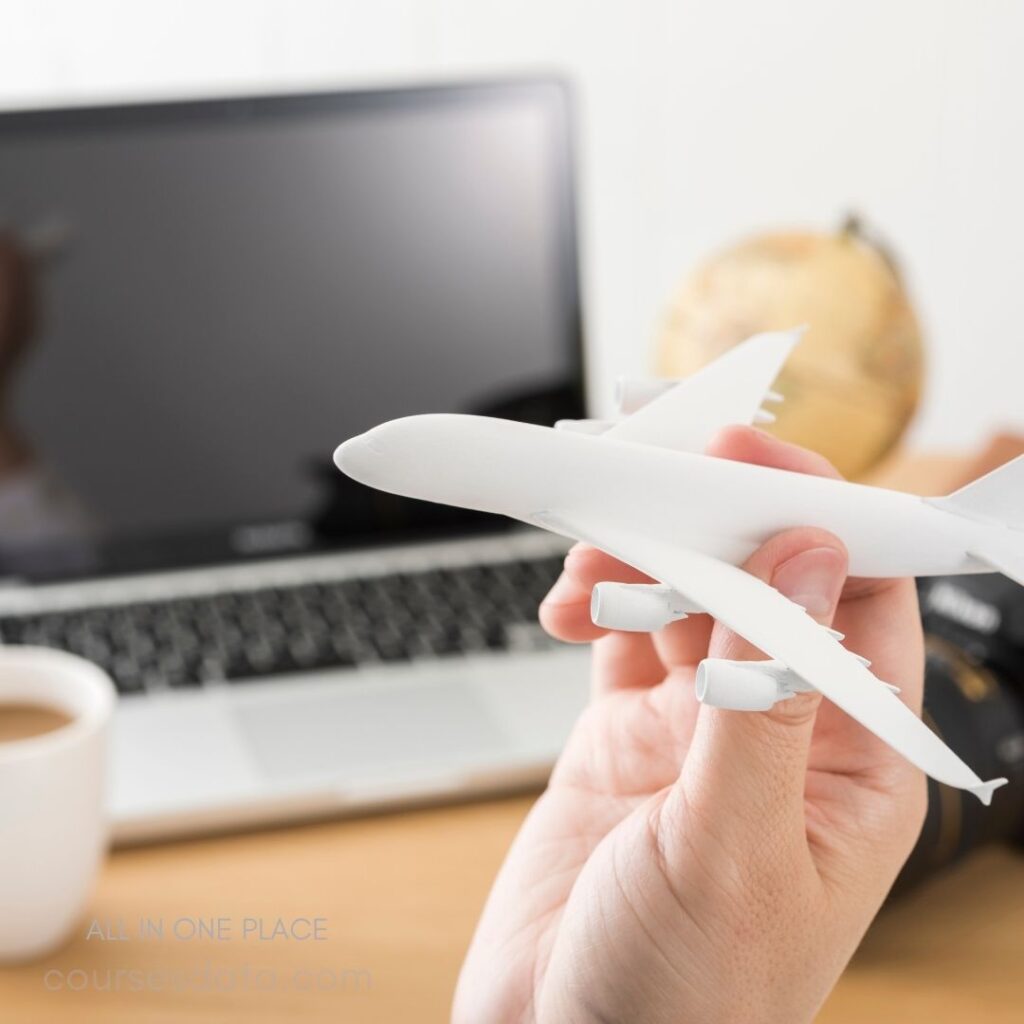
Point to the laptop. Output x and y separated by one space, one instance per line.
202 300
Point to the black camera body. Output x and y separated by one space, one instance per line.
974 699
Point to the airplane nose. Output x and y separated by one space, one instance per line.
469 461
355 457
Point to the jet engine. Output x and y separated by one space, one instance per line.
584 426
632 393
745 685
637 607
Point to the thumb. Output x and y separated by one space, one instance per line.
752 766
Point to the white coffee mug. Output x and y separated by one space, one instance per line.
53 829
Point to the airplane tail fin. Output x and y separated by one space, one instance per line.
996 498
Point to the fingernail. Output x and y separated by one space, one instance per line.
814 579
564 591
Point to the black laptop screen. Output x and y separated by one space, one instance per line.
199 301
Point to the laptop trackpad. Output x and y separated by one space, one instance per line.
360 732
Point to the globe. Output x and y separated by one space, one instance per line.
854 381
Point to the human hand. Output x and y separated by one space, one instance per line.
693 864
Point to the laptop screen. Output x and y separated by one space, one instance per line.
199 301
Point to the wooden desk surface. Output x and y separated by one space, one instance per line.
399 896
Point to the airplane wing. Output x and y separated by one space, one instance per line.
785 632
729 390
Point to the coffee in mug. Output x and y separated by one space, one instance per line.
22 721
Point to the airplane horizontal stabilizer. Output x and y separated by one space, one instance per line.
999 555
997 497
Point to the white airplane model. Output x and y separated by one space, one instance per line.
640 489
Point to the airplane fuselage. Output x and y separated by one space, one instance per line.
725 509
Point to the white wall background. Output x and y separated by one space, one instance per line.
701 120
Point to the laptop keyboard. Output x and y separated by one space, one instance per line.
246 635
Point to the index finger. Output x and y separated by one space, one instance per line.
565 611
